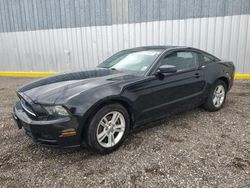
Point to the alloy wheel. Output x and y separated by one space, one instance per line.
219 96
110 129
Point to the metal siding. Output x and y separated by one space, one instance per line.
119 9
137 10
7 16
98 12
245 8
163 11
236 7
183 9
65 35
73 48
55 14
197 9
80 20
108 12
131 10
124 8
102 11
10 13
39 10
246 63
4 16
26 15
1 18
48 12
241 51
31 15
114 12
36 17
169 8
87 12
176 10
189 8
220 8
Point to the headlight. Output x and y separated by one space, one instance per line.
56 111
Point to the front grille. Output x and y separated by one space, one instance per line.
27 108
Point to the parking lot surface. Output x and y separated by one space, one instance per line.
192 149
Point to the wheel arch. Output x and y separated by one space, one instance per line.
102 103
225 80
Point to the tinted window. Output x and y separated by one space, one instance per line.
207 59
183 60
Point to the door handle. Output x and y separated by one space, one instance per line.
197 75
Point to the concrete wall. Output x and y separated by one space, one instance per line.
60 35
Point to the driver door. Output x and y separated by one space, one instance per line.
175 92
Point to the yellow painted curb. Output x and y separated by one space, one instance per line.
242 76
44 74
27 74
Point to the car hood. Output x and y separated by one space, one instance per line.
60 88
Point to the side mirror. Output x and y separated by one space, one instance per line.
167 69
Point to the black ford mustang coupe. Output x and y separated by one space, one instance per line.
97 108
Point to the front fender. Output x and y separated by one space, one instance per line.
85 104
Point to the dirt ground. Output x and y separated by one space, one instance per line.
192 149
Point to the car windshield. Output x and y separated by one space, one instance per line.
131 60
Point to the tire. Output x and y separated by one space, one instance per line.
212 106
102 126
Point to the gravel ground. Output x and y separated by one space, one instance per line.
192 149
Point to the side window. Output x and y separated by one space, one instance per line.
183 60
207 59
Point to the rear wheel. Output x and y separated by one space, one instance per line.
108 128
217 96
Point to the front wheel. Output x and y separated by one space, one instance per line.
108 128
217 96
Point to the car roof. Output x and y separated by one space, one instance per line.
156 47
170 47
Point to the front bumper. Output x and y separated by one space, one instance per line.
47 132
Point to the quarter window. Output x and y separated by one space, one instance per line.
183 60
207 59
